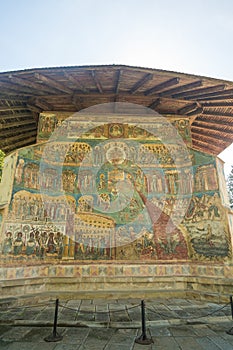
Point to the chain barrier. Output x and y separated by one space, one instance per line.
26 306
143 339
190 317
99 312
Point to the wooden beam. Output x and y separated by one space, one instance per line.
16 116
17 131
199 92
17 123
155 103
141 82
162 86
34 108
217 113
13 98
207 147
217 104
211 139
118 79
218 94
181 88
216 98
19 144
96 81
13 88
11 139
39 88
43 104
187 109
214 134
199 110
13 108
212 123
51 82
75 81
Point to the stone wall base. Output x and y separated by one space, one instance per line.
116 281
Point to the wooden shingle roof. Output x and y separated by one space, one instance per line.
24 94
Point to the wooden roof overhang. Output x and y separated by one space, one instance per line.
207 102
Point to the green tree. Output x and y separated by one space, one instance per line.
2 155
230 186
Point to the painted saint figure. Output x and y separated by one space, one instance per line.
7 244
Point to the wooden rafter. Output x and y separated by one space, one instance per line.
214 98
207 146
207 138
181 88
198 110
210 124
17 123
43 104
217 104
199 92
16 131
33 85
24 142
9 88
162 86
96 81
14 108
214 134
217 113
147 77
18 137
75 82
155 103
188 108
10 98
119 74
16 116
53 83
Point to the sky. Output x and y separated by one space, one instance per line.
179 35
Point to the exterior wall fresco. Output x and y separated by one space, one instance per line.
59 211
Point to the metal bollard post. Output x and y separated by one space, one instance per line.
143 337
54 336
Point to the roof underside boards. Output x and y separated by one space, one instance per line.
24 94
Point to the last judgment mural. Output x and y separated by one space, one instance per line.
113 191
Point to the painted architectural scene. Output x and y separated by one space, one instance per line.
115 192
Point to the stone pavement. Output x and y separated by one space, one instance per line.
101 324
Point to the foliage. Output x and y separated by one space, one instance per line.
230 186
2 155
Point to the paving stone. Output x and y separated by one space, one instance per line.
15 334
188 343
202 331
20 346
207 344
162 343
75 335
222 343
159 332
183 331
44 346
4 345
37 334
67 346
123 336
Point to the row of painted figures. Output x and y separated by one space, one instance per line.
37 244
56 245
